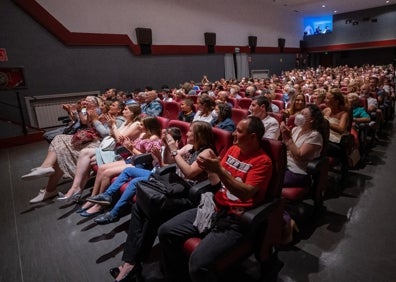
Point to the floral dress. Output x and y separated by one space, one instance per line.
66 154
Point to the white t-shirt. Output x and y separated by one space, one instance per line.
372 102
271 126
199 117
312 137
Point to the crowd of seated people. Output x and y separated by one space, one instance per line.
349 98
62 155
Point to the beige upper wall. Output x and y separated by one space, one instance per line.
178 22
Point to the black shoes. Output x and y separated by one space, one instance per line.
102 199
106 219
81 209
114 272
87 214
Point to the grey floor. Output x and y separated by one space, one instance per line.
352 241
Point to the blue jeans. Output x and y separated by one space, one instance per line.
137 174
225 234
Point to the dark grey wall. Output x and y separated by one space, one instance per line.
51 67
276 63
381 56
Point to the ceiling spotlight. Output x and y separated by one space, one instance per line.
323 6
335 11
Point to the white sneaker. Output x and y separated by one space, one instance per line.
38 172
43 195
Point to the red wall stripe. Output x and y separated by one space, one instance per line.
354 46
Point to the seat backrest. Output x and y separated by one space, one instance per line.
278 116
279 103
276 150
238 114
183 126
193 97
163 121
170 110
233 101
223 140
278 96
290 121
244 103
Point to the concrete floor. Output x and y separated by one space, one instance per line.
352 241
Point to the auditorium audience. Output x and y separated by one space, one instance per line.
133 175
148 138
305 91
62 155
128 130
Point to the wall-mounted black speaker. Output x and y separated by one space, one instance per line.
210 41
252 43
144 39
281 44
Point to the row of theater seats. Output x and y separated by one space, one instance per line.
172 109
264 222
318 169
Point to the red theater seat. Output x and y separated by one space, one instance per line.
223 140
238 115
244 103
183 126
170 110
279 103
163 121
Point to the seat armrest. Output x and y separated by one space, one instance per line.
64 119
195 191
254 217
145 158
166 169
315 165
121 150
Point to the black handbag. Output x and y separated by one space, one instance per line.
164 194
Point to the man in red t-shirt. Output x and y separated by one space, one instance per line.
243 176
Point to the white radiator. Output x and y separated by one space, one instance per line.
44 110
